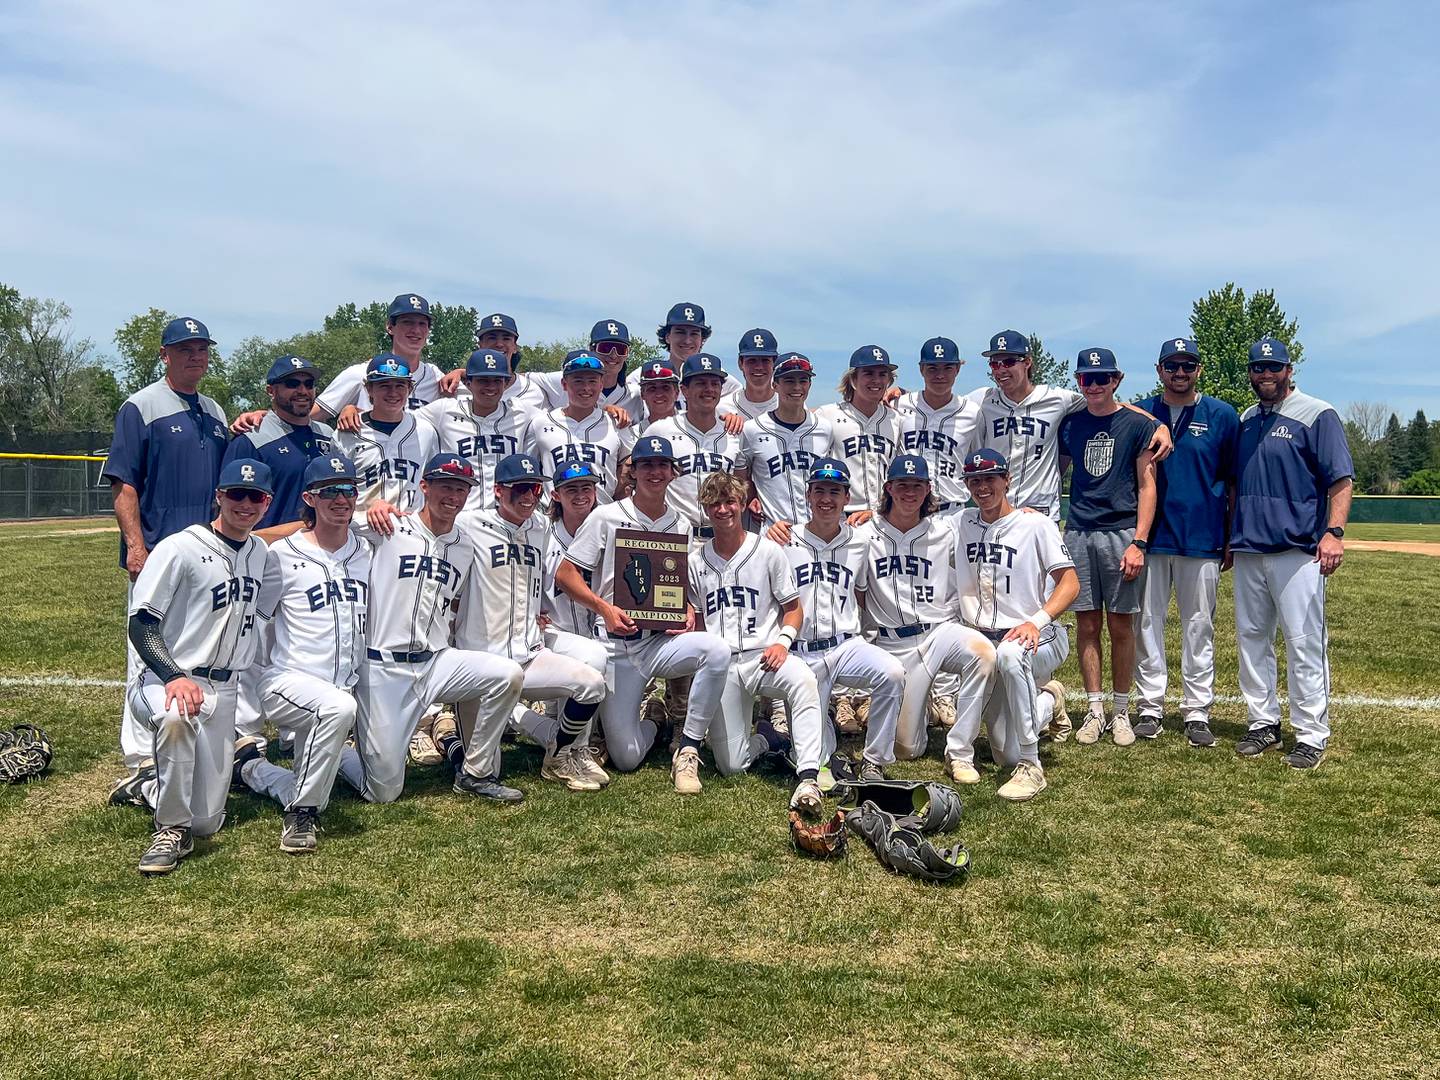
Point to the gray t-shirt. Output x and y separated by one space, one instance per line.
1104 494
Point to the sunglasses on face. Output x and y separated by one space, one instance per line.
336 491
245 495
296 384
1006 361
1096 379
1268 367
612 348
516 490
1172 366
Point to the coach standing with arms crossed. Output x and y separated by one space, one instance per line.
163 467
1292 501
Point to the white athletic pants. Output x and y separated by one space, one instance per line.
193 754
733 743
702 656
135 736
858 665
1015 711
946 647
321 716
1194 582
392 697
1283 589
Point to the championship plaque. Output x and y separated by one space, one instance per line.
651 577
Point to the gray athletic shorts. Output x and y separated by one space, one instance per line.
1097 563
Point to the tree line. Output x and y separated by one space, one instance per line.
1392 457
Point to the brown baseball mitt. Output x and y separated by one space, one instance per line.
824 839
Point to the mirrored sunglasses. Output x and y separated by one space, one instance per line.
336 491
612 348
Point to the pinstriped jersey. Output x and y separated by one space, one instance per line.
912 574
1004 567
697 454
828 574
739 403
1028 434
564 612
348 388
867 445
484 441
741 596
557 440
389 465
943 437
779 458
318 601
415 577
500 607
206 595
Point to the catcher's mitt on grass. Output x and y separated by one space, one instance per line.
25 751
905 850
825 838
929 808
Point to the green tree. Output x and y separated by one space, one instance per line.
1418 449
1364 424
1395 448
330 350
138 345
49 380
1225 323
452 330
1424 482
1045 367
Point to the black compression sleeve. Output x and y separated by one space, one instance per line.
149 642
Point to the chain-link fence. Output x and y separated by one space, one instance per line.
52 486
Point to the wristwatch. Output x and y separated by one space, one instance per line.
1336 531
1143 545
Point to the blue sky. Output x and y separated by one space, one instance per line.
841 173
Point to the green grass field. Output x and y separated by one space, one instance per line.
1158 912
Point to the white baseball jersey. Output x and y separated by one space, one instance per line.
505 593
484 441
415 577
206 595
389 465
912 574
625 394
828 574
942 437
318 601
741 596
1027 433
557 440
1003 568
526 393
779 459
348 388
697 455
564 612
737 402
867 445
593 548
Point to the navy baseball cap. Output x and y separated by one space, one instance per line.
577 472
986 462
497 322
652 446
286 366
387 366
829 470
702 364
939 350
908 467
573 353
657 372
609 330
794 363
870 356
683 314
1008 343
450 467
247 473
1268 350
1179 347
487 364
1096 359
330 469
408 304
582 361
757 342
185 329
518 469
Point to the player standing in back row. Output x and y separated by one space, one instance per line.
864 431
778 450
940 425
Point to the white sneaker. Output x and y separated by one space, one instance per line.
1091 730
962 772
562 767
941 709
685 771
1120 729
423 750
807 797
588 762
1027 781
1060 727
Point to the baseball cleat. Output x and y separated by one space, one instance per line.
423 750
1257 740
807 797
868 772
1120 729
1304 756
588 762
962 772
1027 781
167 847
562 767
1060 727
300 833
1091 730
486 787
941 710
1149 727
685 771
127 791
247 749
1198 733
845 720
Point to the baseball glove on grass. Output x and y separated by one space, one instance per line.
25 751
825 839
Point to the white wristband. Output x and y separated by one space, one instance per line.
786 637
1041 619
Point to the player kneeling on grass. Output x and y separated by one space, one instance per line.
192 622
317 591
1007 561
742 584
417 574
501 612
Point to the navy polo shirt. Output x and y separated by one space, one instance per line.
1190 504
168 447
1288 458
287 449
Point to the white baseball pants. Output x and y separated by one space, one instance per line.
193 755
858 665
731 739
136 738
1286 590
321 716
702 656
1014 709
946 647
1194 582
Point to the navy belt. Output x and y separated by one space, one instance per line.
636 636
993 635
913 630
400 657
702 532
940 507
821 644
215 674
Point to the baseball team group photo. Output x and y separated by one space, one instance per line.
532 670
